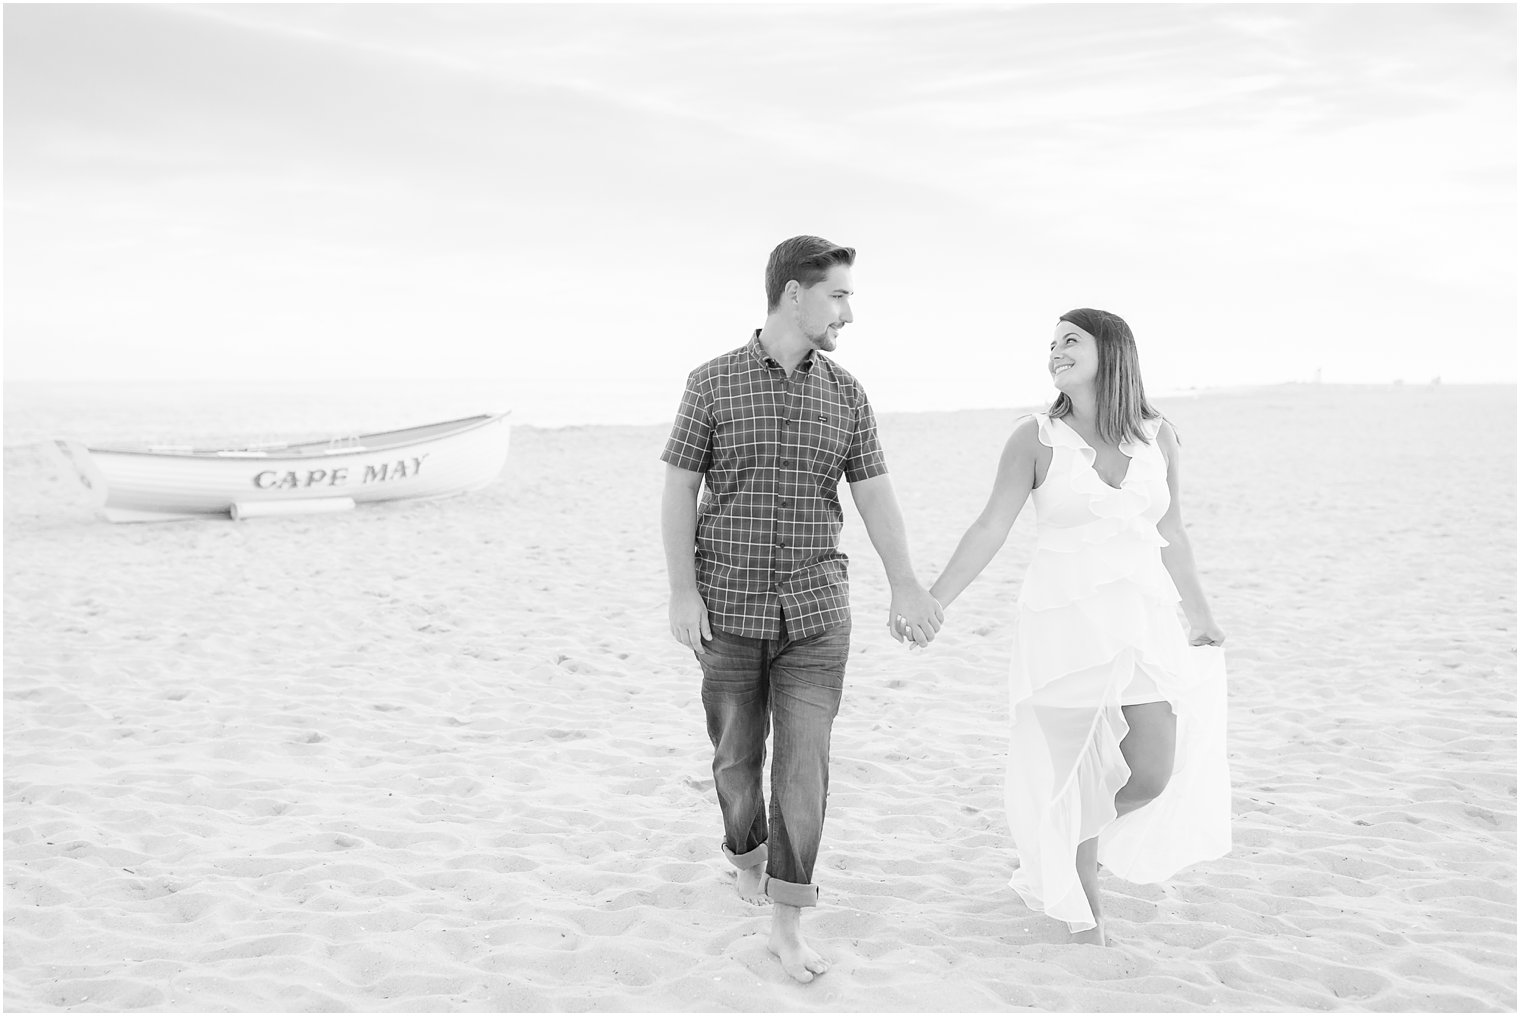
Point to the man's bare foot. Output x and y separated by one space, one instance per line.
751 881
799 961
1092 936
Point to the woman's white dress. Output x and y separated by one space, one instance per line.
1099 628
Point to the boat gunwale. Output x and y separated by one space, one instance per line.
314 449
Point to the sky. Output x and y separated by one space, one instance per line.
577 201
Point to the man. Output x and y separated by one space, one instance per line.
758 587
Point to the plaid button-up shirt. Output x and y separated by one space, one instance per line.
772 449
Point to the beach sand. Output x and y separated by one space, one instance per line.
445 755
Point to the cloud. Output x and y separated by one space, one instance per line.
291 177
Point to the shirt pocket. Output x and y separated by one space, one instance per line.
829 431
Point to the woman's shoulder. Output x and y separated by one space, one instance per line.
1030 436
1164 435
1027 429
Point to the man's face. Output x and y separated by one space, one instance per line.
824 308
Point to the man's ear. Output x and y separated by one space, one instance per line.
792 291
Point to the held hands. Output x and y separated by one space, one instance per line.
688 620
914 615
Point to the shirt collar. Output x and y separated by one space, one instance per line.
765 359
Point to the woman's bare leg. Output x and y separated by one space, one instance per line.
1150 749
1087 873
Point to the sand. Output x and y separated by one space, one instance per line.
445 755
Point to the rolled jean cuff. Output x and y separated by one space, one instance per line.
749 859
792 894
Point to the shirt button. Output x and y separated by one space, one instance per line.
781 544
786 504
786 462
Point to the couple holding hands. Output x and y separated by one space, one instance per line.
1116 745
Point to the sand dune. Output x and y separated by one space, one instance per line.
445 756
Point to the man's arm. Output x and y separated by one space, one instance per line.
678 526
884 523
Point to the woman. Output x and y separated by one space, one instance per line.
1117 746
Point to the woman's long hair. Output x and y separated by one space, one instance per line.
1121 394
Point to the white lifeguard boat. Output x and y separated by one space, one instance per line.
161 483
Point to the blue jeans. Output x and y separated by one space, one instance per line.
748 685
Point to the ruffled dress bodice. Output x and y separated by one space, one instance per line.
1098 629
1097 546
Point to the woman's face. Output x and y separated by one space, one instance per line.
1073 357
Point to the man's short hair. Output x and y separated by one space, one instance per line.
804 258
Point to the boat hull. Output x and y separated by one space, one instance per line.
151 486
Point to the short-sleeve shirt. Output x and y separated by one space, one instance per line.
771 449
